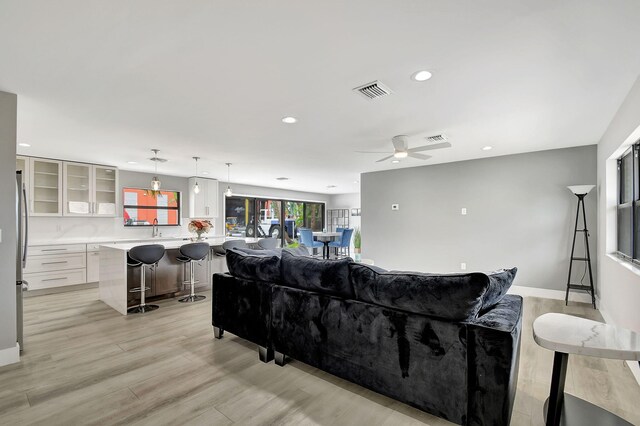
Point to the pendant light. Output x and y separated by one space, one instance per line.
228 192
155 182
196 188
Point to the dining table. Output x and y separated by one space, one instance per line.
326 238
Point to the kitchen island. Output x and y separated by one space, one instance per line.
169 279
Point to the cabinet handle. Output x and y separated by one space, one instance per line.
54 263
60 249
55 279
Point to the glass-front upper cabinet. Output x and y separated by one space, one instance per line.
46 187
105 191
89 190
78 189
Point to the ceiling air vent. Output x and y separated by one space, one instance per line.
373 90
436 138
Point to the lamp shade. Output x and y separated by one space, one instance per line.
580 189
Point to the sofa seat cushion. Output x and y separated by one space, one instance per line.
327 276
261 267
453 297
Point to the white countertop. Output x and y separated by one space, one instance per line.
174 244
107 240
575 335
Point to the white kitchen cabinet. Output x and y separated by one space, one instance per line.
45 184
89 190
56 266
22 164
203 205
93 263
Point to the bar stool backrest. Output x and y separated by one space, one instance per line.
147 254
234 244
195 251
268 243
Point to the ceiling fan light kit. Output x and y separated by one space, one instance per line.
401 149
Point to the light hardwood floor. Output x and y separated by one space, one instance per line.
86 364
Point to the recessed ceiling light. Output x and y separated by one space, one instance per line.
289 120
26 145
487 148
395 161
421 75
282 178
356 181
205 173
132 162
331 186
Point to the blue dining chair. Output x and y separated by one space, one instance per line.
306 239
344 242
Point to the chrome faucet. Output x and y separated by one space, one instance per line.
154 228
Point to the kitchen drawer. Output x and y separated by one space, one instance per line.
57 249
55 262
42 280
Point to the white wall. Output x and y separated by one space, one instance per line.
8 349
519 213
619 283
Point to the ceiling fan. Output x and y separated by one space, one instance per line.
401 149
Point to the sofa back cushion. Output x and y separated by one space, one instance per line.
327 276
454 297
254 266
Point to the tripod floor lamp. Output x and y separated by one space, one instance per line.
581 191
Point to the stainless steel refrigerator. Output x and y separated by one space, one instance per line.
22 227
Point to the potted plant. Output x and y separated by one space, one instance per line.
357 244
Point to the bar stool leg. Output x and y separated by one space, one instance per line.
192 297
142 307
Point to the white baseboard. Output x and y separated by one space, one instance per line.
548 294
9 355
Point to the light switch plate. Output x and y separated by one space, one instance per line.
463 266
395 206
463 211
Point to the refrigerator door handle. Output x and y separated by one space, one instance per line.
26 227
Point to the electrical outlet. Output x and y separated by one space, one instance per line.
463 266
395 206
463 212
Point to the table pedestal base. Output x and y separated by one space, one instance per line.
578 412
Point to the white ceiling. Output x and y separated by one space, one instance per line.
105 81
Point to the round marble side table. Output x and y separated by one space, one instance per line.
566 334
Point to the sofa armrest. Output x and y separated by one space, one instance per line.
493 352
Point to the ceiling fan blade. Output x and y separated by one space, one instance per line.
430 147
372 152
384 159
400 142
418 156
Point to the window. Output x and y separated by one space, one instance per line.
628 206
262 217
142 206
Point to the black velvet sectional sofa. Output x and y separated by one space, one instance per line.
446 344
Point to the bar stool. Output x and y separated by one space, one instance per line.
146 255
193 252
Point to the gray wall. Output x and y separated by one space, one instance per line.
519 213
8 103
